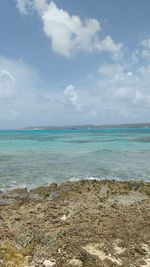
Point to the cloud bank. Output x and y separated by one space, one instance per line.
116 93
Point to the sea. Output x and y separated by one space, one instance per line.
31 158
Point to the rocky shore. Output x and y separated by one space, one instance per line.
85 223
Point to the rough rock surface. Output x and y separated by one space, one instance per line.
85 223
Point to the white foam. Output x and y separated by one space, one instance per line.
75 179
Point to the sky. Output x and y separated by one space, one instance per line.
66 62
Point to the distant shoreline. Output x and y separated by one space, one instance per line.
91 126
86 126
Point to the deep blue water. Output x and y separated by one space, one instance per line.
38 157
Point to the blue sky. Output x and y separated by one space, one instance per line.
74 62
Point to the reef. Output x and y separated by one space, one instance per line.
87 223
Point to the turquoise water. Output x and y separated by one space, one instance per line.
38 157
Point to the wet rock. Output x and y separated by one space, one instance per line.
5 201
53 195
17 193
36 197
44 190
57 193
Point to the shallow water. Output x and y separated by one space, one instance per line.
38 157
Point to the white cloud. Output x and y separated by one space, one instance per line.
125 90
17 86
144 49
72 97
108 45
145 43
24 6
110 69
69 33
142 52
7 85
9 91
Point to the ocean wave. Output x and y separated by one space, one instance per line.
75 179
109 178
